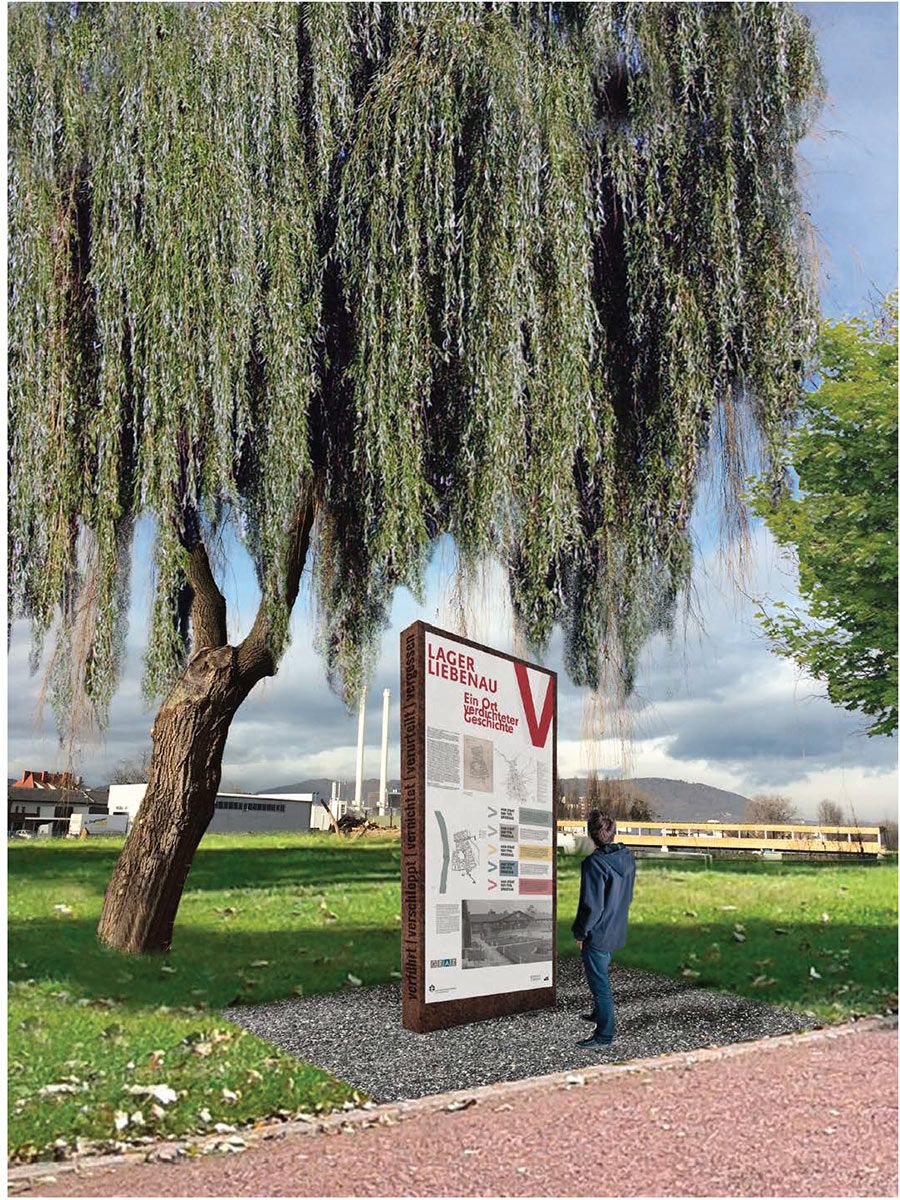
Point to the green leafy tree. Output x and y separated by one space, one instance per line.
841 525
356 276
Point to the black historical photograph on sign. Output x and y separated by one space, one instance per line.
498 932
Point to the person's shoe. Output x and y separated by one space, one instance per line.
595 1043
591 1016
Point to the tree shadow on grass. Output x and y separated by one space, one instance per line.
233 966
237 965
218 868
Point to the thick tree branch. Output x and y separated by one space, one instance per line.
208 609
256 658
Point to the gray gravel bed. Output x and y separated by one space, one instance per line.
357 1035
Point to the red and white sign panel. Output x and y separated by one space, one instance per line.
488 822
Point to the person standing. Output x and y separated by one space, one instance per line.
607 885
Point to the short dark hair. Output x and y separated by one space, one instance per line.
601 828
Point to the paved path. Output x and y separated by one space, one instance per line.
810 1114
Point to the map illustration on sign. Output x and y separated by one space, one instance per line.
478 764
519 780
465 854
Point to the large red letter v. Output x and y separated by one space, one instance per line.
538 730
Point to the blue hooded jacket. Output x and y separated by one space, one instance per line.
607 885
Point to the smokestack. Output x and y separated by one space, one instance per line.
359 749
385 718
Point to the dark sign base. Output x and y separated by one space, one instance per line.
442 1014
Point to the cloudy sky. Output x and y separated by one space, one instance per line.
712 704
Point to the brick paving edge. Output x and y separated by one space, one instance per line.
393 1112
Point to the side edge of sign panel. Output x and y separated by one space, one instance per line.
488 829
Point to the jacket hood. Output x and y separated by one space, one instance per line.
616 856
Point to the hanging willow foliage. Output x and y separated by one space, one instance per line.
497 270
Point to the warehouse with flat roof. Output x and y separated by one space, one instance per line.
237 812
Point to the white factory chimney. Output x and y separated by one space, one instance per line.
358 802
385 718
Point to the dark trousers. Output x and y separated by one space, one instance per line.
596 968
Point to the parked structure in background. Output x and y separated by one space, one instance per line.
98 825
713 837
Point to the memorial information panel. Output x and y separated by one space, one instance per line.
479 838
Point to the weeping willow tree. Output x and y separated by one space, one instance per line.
355 276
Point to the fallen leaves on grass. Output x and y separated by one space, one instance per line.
159 1091
763 981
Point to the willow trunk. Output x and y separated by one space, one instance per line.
189 736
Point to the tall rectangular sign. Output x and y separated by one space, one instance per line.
478 764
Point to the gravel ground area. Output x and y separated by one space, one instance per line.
357 1034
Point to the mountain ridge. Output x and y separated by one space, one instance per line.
672 799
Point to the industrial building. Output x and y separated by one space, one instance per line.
237 812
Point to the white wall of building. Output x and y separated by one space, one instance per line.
126 797
239 813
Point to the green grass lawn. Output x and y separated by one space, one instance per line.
271 916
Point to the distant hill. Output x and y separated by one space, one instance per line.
678 800
672 799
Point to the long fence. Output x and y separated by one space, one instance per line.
712 836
